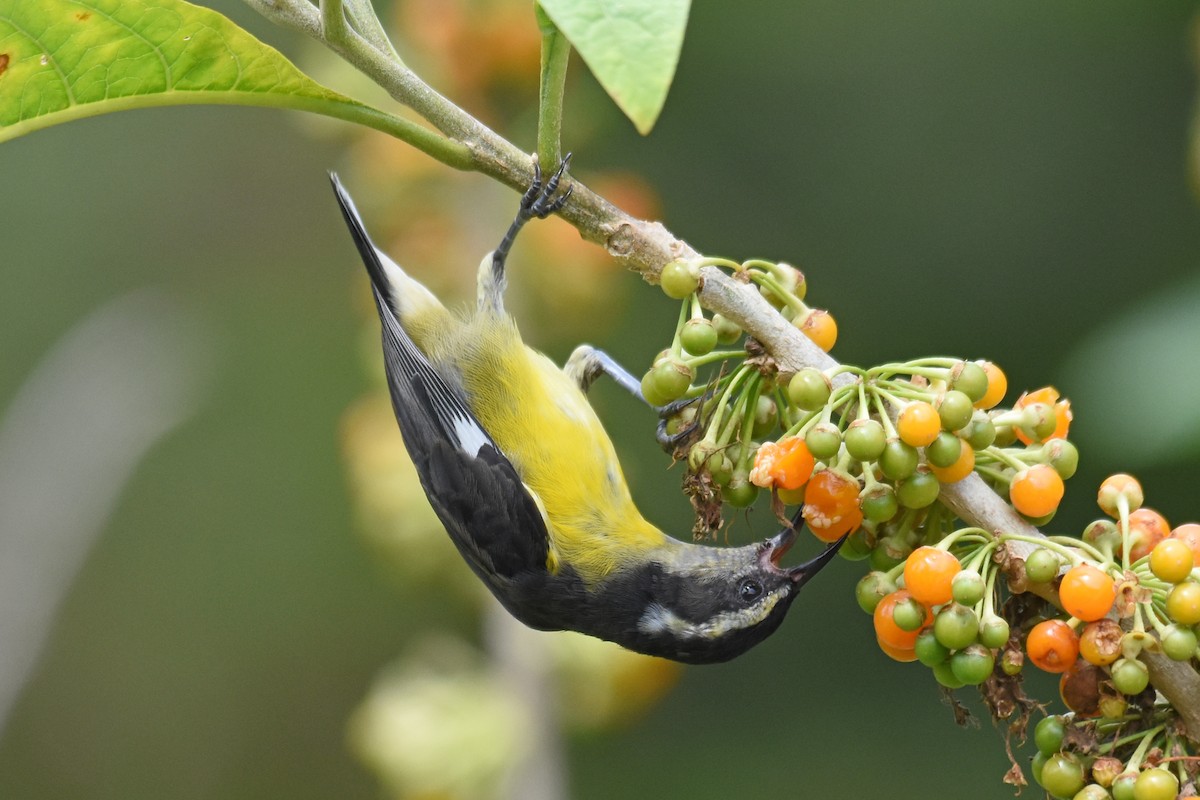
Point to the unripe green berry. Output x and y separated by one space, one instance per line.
1129 676
980 433
1063 456
973 664
1048 735
1042 565
956 626
909 615
698 336
970 379
878 502
929 650
823 440
944 450
968 587
728 331
993 631
918 490
873 587
865 440
898 460
809 389
680 278
955 410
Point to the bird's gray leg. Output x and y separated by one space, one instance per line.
537 202
587 363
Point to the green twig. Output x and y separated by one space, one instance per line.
556 53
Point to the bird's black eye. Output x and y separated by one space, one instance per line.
750 590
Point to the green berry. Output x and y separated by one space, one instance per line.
698 336
944 450
970 379
1042 565
1093 791
873 587
909 615
898 460
929 650
1179 643
740 493
956 626
944 674
968 587
981 432
1156 783
993 631
728 331
1062 775
680 278
1129 676
857 546
973 664
878 503
809 389
865 440
918 490
955 410
766 417
824 441
1063 456
1048 735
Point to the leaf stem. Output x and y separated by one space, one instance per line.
556 53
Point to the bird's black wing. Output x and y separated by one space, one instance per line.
471 484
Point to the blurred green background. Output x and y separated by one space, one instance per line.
1005 181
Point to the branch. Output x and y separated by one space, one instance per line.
646 247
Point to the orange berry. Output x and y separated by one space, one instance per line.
960 469
1171 560
997 386
1116 486
901 654
886 629
831 505
928 573
918 424
1036 491
1052 646
786 464
1189 534
1062 411
1100 642
1087 592
1147 528
821 329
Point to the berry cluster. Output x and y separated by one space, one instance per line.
865 451
1128 588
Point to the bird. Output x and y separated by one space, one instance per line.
520 471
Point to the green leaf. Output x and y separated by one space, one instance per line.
631 46
62 60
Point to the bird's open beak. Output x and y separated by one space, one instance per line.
805 572
774 549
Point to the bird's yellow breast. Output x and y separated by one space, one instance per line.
544 424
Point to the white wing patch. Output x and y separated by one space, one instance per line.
469 436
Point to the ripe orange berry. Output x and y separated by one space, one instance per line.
1189 534
1147 528
1062 411
886 629
1100 642
1086 592
831 505
918 424
1172 560
960 469
1036 491
1052 646
786 464
1115 486
821 329
997 386
928 573
903 655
